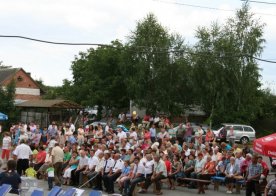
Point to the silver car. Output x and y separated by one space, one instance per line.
243 133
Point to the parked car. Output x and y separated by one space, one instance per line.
243 133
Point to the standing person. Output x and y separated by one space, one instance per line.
23 154
6 145
253 175
11 177
57 160
153 133
52 130
51 175
188 132
180 132
44 136
231 135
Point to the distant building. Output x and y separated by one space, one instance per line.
25 87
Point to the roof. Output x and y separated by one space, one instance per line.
6 73
53 103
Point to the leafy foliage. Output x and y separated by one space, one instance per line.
7 102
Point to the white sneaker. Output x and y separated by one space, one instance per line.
228 192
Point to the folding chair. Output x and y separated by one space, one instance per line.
95 193
37 193
4 189
69 192
55 191
28 185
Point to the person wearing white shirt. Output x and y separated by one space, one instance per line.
132 134
98 169
139 176
83 163
23 154
107 168
93 161
72 128
149 167
114 174
121 134
159 173
239 159
97 149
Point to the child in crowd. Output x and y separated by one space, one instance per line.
6 145
30 172
51 175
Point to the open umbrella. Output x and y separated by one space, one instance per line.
3 116
266 145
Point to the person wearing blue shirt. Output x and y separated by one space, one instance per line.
73 138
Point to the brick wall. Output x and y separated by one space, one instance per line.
23 80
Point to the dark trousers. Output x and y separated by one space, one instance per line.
58 173
50 182
157 181
195 176
98 181
152 139
147 181
253 187
91 175
110 181
22 165
75 176
37 166
133 183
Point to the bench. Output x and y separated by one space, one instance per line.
217 180
200 183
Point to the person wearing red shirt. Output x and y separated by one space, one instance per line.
168 164
146 134
40 158
265 167
245 164
146 121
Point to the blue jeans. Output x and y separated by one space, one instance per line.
133 183
188 139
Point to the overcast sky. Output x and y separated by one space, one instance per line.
101 21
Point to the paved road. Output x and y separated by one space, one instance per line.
178 192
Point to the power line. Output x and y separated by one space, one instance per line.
51 42
207 7
162 50
262 2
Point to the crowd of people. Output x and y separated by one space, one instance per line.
100 156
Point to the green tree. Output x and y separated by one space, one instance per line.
156 77
97 78
7 106
226 75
